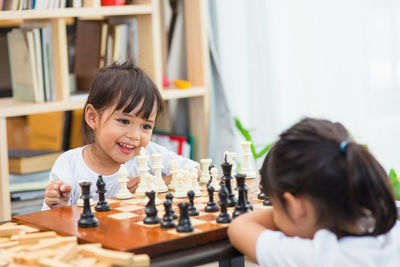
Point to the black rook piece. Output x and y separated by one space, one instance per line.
211 205
168 220
102 205
242 206
87 218
192 209
223 217
169 196
151 211
227 169
184 224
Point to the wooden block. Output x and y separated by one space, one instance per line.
27 229
4 239
9 244
4 262
47 262
33 257
9 231
54 242
7 224
82 247
67 252
34 238
141 260
84 261
114 257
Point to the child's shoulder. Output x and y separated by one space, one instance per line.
72 154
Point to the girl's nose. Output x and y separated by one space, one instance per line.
134 134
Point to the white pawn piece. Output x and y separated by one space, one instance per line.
123 192
143 186
195 183
180 191
151 179
79 203
214 182
205 175
187 181
157 166
246 168
174 170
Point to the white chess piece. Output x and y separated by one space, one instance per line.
246 168
174 170
143 186
229 157
180 191
214 182
79 203
205 175
123 192
157 166
195 183
187 181
151 182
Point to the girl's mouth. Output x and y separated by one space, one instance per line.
125 148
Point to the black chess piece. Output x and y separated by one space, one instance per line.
102 204
184 224
267 202
209 172
223 194
242 206
261 195
169 196
87 217
227 169
192 209
211 205
168 220
151 211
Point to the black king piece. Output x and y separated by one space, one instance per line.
227 169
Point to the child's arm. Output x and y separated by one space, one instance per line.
57 194
246 228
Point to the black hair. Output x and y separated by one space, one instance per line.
342 183
125 86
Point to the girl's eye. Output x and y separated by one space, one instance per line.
123 121
147 127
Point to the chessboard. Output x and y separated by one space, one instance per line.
122 227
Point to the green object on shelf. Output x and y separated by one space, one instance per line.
395 183
247 136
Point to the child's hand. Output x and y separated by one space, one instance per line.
133 184
57 194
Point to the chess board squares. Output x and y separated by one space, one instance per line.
123 215
129 208
174 232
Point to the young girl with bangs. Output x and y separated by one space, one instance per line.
119 117
331 204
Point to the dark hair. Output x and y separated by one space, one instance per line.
307 160
125 86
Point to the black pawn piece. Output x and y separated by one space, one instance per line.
192 209
242 206
87 217
169 196
267 202
168 220
184 224
151 211
261 195
227 169
102 204
211 205
223 217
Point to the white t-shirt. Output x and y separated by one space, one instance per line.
273 248
71 168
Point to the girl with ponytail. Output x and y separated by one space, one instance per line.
331 203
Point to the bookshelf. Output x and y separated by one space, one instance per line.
151 51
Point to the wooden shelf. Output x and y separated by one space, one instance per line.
76 12
170 93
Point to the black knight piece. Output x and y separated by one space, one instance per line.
224 216
150 210
169 196
102 204
184 224
242 206
192 209
209 172
87 217
227 169
168 220
211 205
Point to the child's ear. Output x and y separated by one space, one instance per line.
91 116
295 206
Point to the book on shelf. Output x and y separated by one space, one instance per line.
22 161
26 202
179 143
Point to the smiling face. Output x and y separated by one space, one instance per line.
118 135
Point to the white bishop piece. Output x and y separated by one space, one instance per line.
246 168
123 179
214 182
143 186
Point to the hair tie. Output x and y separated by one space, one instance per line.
343 146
